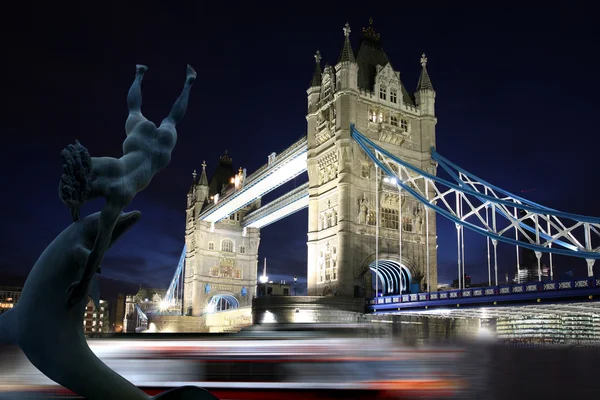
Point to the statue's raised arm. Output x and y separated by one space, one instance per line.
146 150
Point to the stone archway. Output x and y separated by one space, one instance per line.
222 302
392 276
327 291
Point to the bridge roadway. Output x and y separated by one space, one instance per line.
281 169
533 298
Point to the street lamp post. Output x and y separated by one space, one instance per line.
295 280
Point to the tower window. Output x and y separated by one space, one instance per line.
242 249
393 95
394 120
407 224
227 245
404 125
380 117
211 245
372 116
389 218
382 92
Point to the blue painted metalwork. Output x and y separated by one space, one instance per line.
491 295
244 291
174 295
569 250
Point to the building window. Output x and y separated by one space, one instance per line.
214 271
382 92
393 95
407 224
242 249
389 218
321 268
372 116
270 290
380 119
365 173
227 245
211 245
328 268
394 120
237 274
404 125
286 291
232 217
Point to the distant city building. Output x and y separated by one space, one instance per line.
274 289
96 320
9 296
147 300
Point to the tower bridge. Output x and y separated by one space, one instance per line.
373 194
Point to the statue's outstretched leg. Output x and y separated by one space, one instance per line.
134 99
179 108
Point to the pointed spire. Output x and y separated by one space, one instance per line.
203 179
424 80
347 52
316 79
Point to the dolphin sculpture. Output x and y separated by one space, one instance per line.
50 332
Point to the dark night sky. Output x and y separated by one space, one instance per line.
517 99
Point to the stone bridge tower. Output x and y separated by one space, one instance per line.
222 258
363 88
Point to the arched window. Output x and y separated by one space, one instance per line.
393 95
382 92
227 245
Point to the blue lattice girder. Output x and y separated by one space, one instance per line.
172 297
556 232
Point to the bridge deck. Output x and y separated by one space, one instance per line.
583 292
284 167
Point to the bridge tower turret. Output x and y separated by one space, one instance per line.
365 90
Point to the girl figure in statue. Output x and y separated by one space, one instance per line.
146 151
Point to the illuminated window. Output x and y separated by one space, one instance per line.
394 120
372 116
211 245
237 274
382 92
389 218
380 119
404 125
242 249
393 95
328 267
227 245
321 268
407 224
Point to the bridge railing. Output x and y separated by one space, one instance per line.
518 288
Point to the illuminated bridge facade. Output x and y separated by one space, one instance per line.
375 185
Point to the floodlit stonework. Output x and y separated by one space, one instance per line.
363 88
222 258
